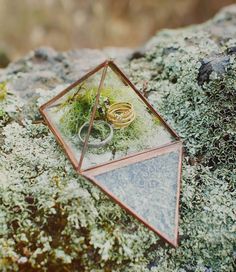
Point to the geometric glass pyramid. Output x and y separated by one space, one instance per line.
115 138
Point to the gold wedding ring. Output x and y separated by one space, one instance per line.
121 114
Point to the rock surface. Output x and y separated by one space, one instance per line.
45 67
189 76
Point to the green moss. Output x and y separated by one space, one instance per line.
3 90
78 107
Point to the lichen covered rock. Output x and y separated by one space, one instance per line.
191 76
53 220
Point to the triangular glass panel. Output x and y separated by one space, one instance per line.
147 187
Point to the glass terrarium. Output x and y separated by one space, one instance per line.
115 138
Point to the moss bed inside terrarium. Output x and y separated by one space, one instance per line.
72 116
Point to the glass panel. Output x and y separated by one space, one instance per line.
72 112
149 188
125 124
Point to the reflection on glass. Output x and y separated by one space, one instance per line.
149 188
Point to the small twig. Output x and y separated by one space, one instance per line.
40 121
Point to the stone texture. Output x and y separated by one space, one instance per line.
46 68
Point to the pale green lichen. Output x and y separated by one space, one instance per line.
53 220
204 117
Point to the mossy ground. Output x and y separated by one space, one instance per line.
53 220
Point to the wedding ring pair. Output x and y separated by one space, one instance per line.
120 115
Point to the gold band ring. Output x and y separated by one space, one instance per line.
121 114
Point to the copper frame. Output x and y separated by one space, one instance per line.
91 172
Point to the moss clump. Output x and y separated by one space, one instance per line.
3 90
78 106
